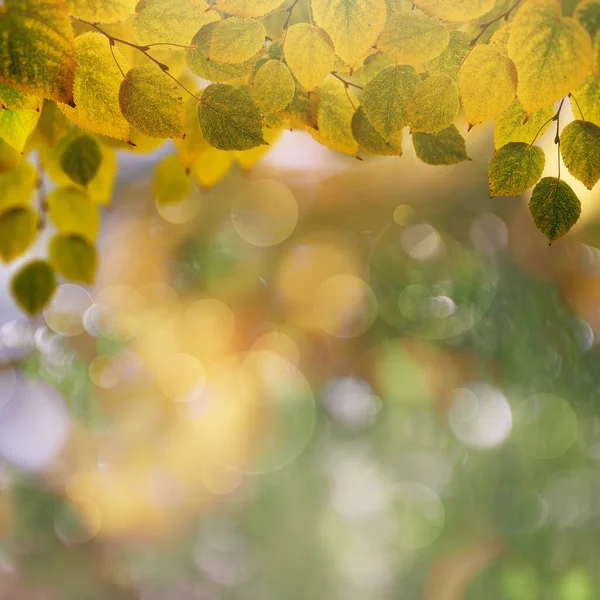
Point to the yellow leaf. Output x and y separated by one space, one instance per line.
74 213
236 40
17 186
18 230
274 87
386 97
96 88
152 102
374 64
309 53
33 286
194 144
9 157
487 81
199 62
450 60
229 118
515 125
371 140
588 97
212 166
17 126
414 37
52 126
171 181
334 117
171 21
596 56
353 26
74 258
455 10
37 53
243 8
587 12
302 111
101 11
434 105
580 151
553 54
14 100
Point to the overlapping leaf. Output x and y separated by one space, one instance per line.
515 168
580 151
446 147
434 105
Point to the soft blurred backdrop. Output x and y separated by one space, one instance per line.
320 378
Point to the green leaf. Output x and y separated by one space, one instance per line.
443 148
81 159
386 97
588 99
413 37
236 40
450 60
374 64
515 125
455 10
172 181
587 12
171 21
33 286
152 102
353 26
229 118
101 11
74 258
17 126
488 82
553 54
199 61
243 8
434 105
554 207
18 230
309 53
580 151
17 186
371 140
514 168
73 213
274 87
37 53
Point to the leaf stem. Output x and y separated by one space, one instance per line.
578 107
552 118
486 26
557 136
347 84
286 25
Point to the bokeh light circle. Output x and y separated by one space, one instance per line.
187 209
181 377
64 313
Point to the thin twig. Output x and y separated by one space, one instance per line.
486 26
346 83
552 118
286 25
112 51
557 136
578 107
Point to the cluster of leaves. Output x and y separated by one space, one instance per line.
82 78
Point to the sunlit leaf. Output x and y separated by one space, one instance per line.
309 53
371 140
236 40
81 159
17 125
580 151
374 64
413 37
194 144
434 105
487 81
587 96
152 102
33 286
443 148
515 168
74 213
18 230
353 26
587 12
37 53
17 186
555 207
52 126
553 54
171 181
229 118
74 258
302 111
274 87
450 60
243 8
15 100
455 10
386 96
96 87
515 125
101 11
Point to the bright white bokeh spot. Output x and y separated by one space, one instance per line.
351 401
64 313
421 242
179 213
489 233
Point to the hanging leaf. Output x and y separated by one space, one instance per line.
274 87
17 126
371 140
487 82
515 168
17 186
450 60
37 53
309 54
386 96
18 230
413 37
81 159
353 26
555 207
171 21
172 181
588 97
434 105
236 40
33 286
455 10
152 103
580 151
243 8
553 54
96 87
74 258
443 148
101 11
73 213
515 125
229 118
